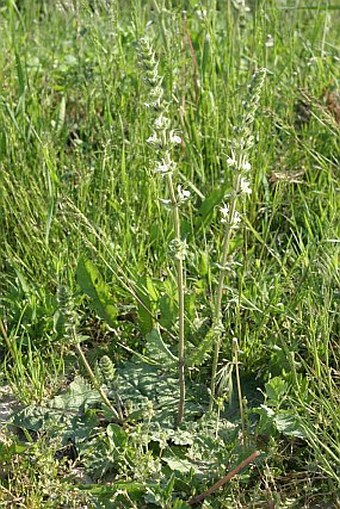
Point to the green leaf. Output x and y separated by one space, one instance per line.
133 488
158 350
206 209
145 304
63 416
276 389
152 290
168 308
168 303
8 451
181 465
266 421
31 418
91 282
200 353
116 435
77 395
288 425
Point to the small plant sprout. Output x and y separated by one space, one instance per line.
231 219
163 139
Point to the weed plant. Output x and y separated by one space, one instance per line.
201 321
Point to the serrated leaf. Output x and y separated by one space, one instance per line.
63 415
80 428
276 389
91 282
31 418
200 353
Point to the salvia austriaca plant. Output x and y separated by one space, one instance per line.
163 140
231 218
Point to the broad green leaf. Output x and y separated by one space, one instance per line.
204 263
181 465
79 393
152 290
91 282
8 451
168 303
288 424
190 305
116 435
158 350
23 281
31 418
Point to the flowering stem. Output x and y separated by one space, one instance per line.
181 304
241 166
163 139
217 319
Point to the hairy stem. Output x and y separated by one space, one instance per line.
217 319
181 304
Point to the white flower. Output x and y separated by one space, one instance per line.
201 13
183 194
174 139
245 186
178 248
162 122
246 166
164 167
231 161
154 140
235 220
225 213
156 93
270 41
165 203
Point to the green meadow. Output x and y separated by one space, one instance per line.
169 254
